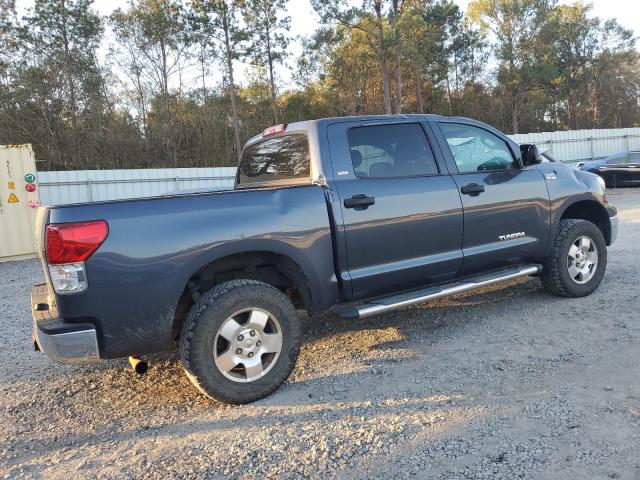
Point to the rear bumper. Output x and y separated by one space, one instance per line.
61 341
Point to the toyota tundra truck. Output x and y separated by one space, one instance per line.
358 216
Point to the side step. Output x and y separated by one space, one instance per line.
382 305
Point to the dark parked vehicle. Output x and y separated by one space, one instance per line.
356 215
619 170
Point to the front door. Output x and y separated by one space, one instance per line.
506 207
401 214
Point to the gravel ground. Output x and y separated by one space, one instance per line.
506 383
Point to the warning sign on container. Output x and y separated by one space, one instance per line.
13 198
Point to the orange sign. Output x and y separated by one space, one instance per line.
13 198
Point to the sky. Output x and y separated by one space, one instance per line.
304 21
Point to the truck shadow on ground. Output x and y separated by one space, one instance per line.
244 417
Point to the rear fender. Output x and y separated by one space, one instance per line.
322 295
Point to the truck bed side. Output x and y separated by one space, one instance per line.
155 246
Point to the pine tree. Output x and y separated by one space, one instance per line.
64 35
218 20
267 29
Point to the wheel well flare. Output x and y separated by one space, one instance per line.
591 211
271 268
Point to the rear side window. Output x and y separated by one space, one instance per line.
278 159
388 151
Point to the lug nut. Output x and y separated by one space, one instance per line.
258 343
252 333
240 338
238 351
250 354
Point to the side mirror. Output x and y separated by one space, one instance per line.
530 155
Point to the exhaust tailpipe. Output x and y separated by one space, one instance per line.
139 365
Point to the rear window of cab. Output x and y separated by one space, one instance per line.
280 160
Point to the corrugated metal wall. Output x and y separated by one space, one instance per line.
57 188
580 145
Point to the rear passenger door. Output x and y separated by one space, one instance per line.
400 210
506 207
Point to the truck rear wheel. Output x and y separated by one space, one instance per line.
577 261
240 341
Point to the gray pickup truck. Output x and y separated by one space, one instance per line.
356 215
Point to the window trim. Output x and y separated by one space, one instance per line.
516 163
299 181
385 124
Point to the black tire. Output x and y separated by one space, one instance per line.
555 275
202 326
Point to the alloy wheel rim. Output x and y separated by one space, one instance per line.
247 345
582 260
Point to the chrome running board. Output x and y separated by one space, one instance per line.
382 305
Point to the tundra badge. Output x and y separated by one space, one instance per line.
511 236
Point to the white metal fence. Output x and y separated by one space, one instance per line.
580 145
58 188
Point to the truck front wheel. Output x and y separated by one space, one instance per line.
577 261
240 341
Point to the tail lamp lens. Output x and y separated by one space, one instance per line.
68 245
74 242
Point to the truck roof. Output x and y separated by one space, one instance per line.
305 125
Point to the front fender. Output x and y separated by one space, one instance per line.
568 187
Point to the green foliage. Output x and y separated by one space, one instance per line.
216 21
516 26
156 39
8 40
269 42
520 65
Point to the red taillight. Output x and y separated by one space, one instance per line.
274 130
74 242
